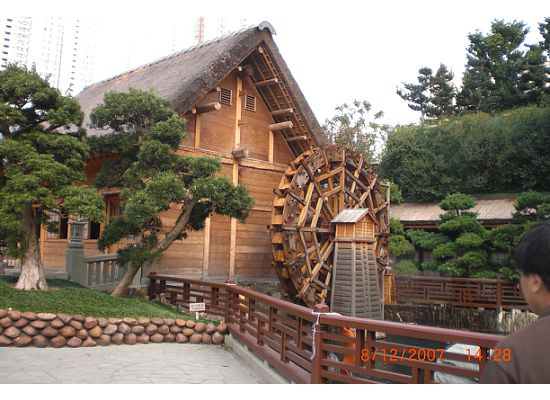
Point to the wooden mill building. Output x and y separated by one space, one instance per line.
242 104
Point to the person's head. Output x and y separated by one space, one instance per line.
533 263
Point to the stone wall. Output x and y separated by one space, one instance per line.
59 330
503 322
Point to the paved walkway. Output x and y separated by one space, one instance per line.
141 363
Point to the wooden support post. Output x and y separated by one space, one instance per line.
316 366
206 249
284 111
267 82
281 125
271 142
296 138
208 107
197 130
237 126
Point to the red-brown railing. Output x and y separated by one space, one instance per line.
462 292
308 346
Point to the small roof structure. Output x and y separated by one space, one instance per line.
350 216
185 77
489 212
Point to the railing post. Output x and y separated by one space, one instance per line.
499 292
318 353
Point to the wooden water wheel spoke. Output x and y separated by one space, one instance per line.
317 186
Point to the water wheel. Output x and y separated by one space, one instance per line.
315 187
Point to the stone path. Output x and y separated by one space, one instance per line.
142 363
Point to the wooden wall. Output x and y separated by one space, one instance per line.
252 246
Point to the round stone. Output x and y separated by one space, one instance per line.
170 338
65 318
46 316
82 334
181 338
89 342
180 323
200 327
175 329
124 328
129 321
75 324
5 341
117 338
206 338
74 342
49 332
40 341
58 341
3 313
22 341
12 332
6 322
169 321
157 321
67 331
188 331
210 329
57 323
79 318
137 330
39 324
143 339
190 323
29 315
217 338
14 315
164 330
151 329
90 323
143 321
115 320
130 339
157 338
103 322
95 332
20 323
195 338
103 340
29 330
110 329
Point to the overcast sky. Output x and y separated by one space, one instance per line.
338 51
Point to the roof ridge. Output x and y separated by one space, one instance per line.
262 25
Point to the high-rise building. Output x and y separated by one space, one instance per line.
61 49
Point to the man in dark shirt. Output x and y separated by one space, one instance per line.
529 348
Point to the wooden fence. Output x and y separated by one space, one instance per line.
309 346
462 292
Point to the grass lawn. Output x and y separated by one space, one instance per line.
70 298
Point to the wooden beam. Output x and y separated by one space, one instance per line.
197 131
208 107
237 130
206 249
281 125
296 138
271 146
267 82
245 70
240 152
284 111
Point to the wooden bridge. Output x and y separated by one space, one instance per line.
308 346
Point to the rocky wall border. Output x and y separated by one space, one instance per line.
23 329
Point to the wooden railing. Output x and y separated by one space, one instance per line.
486 293
309 346
101 272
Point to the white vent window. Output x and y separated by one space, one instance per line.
250 103
226 96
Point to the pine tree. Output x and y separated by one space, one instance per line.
442 93
417 95
145 134
42 154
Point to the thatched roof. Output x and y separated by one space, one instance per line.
489 211
184 78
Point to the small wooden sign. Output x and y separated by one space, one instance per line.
194 307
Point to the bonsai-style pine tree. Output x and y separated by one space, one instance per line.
145 134
42 153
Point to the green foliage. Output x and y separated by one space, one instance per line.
406 267
470 240
427 240
532 206
505 237
155 179
396 197
445 251
400 246
42 154
457 202
353 126
396 227
471 154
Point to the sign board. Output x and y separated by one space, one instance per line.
194 307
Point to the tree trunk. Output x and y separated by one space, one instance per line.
32 272
128 277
